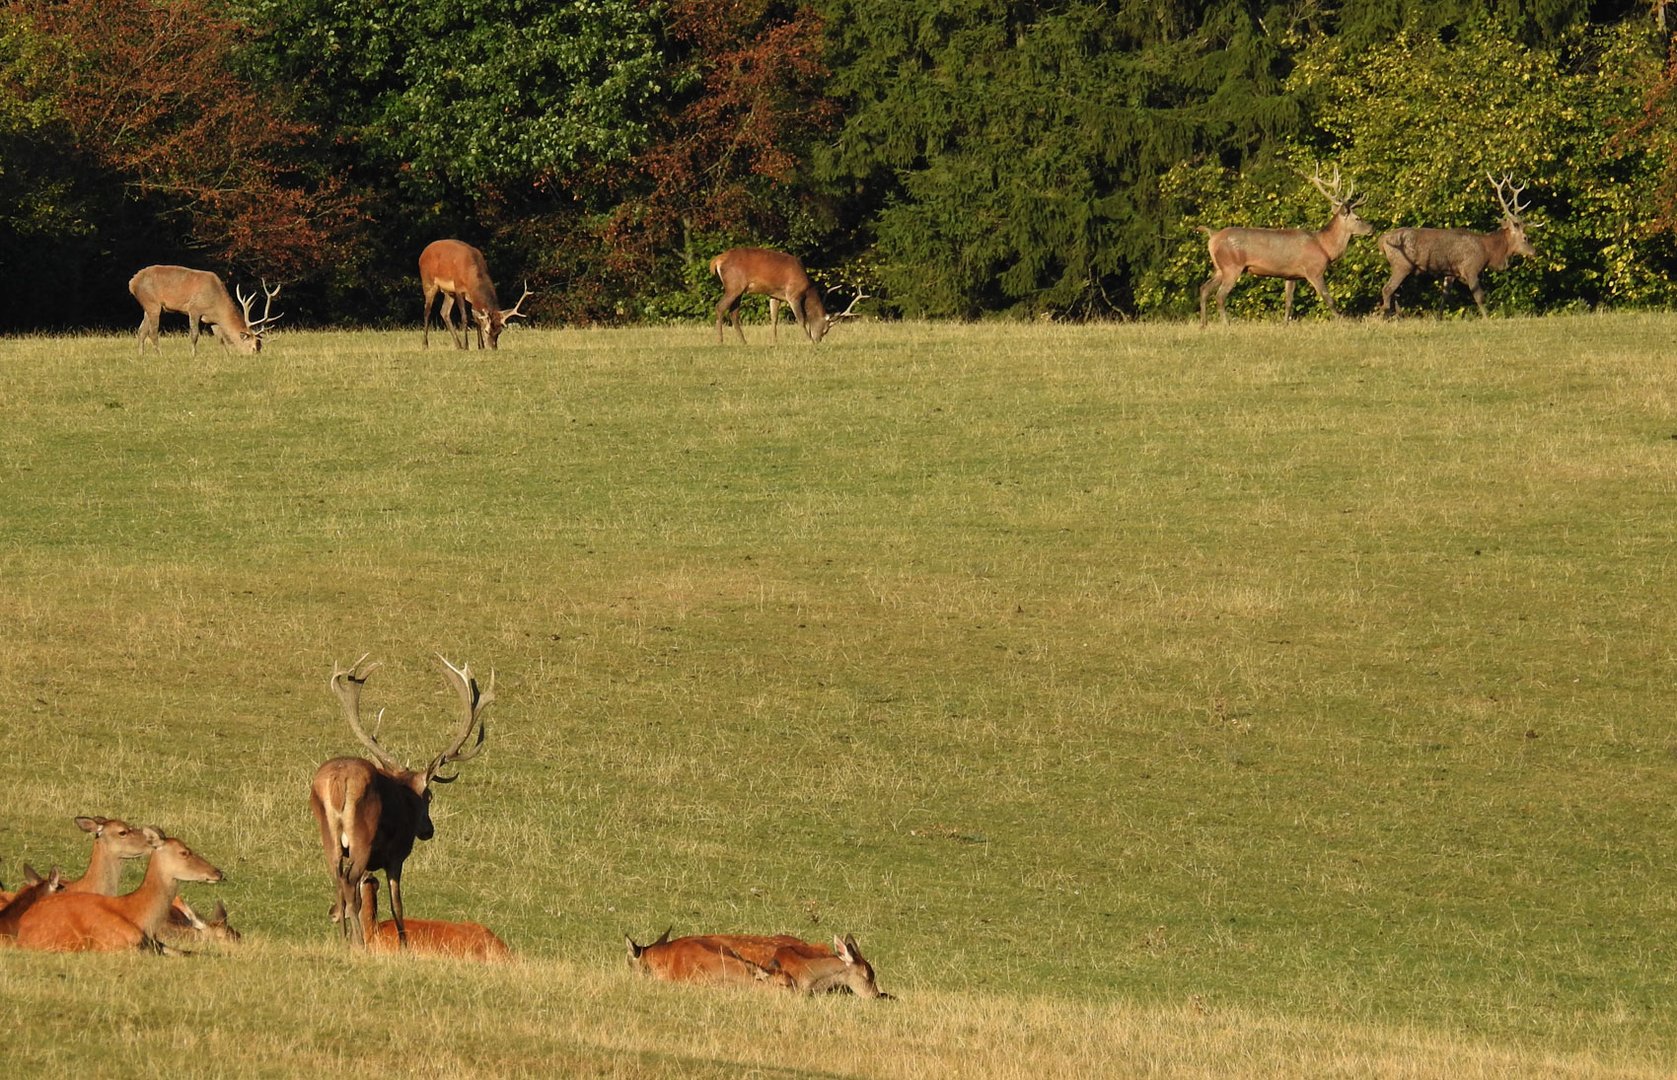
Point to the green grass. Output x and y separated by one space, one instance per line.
1280 691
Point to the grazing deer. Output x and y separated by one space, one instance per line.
114 841
1458 254
704 959
370 813
782 279
1291 254
184 926
459 271
84 922
35 888
201 297
464 940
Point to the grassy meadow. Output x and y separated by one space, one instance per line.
1265 700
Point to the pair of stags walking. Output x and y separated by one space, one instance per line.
1301 255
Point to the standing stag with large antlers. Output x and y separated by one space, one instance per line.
1292 254
1458 254
459 271
201 297
371 812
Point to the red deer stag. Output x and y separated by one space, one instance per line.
371 812
1458 254
84 922
201 297
459 271
465 940
35 888
782 279
1291 254
704 959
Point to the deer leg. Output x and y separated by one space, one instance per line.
1223 292
394 877
774 319
1392 285
1473 286
1320 284
728 307
425 318
1205 293
448 317
148 328
1288 287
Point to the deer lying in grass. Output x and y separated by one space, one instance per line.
697 960
184 926
114 842
776 960
85 922
463 940
35 888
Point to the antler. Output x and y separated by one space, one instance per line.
475 701
514 313
347 683
258 326
1511 207
849 312
1332 189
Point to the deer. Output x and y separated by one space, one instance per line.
703 959
1458 254
86 922
114 842
35 888
185 926
459 271
1293 255
782 279
201 297
371 813
464 940
780 960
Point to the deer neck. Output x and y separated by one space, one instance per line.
1497 247
1335 237
148 906
104 873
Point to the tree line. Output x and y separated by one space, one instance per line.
958 160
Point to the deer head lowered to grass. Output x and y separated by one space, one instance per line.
370 813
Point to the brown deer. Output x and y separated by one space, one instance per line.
782 279
35 888
775 960
370 813
434 937
1458 254
459 271
84 922
201 297
1291 254
703 959
184 926
114 841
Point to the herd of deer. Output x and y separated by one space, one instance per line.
370 813
460 274
1296 255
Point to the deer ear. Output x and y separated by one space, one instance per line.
90 824
634 950
154 836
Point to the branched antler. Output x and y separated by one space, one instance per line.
347 683
1508 195
475 701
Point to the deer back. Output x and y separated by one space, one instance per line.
698 959
369 808
763 272
11 914
457 267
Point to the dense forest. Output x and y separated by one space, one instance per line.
957 159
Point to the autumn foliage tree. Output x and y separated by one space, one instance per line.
728 160
150 93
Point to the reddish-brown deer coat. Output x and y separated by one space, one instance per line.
460 273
